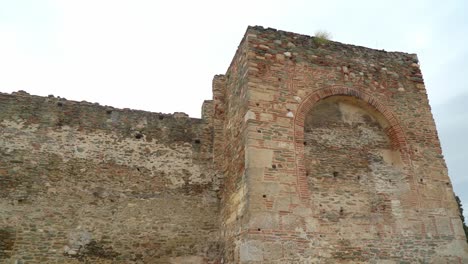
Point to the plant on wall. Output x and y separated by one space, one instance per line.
460 208
322 37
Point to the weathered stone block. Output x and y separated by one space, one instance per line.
258 158
251 251
272 251
260 220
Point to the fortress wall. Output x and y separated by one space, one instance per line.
309 152
83 182
359 180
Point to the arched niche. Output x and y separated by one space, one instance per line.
352 162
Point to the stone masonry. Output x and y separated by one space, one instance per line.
309 152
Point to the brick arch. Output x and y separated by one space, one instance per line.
393 131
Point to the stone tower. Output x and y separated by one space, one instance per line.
330 154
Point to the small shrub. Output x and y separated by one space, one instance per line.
460 209
322 37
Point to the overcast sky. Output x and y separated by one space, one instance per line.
161 56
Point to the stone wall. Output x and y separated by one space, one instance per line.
87 183
229 92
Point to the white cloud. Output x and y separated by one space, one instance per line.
140 53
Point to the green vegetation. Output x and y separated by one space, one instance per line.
460 208
322 37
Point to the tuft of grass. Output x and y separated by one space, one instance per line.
322 37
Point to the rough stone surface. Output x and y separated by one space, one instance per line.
306 154
87 183
342 159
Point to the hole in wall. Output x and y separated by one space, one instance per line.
109 112
264 196
273 166
257 104
259 229
259 131
197 141
59 104
161 117
138 135
305 143
335 174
